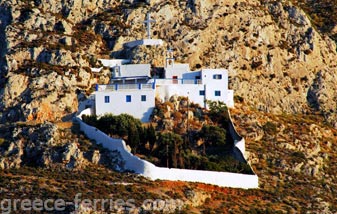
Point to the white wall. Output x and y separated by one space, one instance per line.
176 70
118 105
113 62
164 92
150 171
152 42
207 77
230 98
221 85
210 85
96 70
192 75
134 70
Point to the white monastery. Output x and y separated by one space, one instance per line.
132 88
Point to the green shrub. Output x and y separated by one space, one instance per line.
218 112
298 156
213 135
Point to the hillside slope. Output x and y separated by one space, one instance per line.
293 155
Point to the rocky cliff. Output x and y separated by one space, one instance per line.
51 146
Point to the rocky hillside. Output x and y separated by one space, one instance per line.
50 145
279 61
321 14
293 155
283 72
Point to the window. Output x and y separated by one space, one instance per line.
143 98
217 76
128 98
107 99
202 93
217 93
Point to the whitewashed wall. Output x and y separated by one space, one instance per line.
176 70
113 62
166 87
150 171
118 105
152 42
221 85
164 92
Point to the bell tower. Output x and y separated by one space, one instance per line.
169 58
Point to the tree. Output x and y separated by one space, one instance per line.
107 124
169 149
151 136
218 112
143 140
133 137
213 136
90 120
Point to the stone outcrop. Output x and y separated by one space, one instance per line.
46 145
306 146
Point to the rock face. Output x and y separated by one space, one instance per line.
45 145
279 62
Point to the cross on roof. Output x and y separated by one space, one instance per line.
148 25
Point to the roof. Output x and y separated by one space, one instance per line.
134 70
136 43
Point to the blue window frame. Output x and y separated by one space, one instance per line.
128 98
202 93
106 99
217 76
217 93
143 98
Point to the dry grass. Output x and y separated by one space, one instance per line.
64 125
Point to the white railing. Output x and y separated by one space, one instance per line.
178 81
127 86
117 87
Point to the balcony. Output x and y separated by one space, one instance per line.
178 81
125 87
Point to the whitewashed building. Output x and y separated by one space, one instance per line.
129 91
198 86
133 91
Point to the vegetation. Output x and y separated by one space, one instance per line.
126 127
93 182
205 147
321 13
270 128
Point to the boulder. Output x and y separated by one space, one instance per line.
96 156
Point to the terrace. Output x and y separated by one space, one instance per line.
125 87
